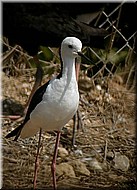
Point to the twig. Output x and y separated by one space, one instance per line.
14 117
105 153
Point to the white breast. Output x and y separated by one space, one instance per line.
56 110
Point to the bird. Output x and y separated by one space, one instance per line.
31 25
54 103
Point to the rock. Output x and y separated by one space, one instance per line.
98 87
118 178
62 152
121 162
65 169
110 155
78 152
80 168
12 107
95 165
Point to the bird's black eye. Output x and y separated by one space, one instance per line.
70 46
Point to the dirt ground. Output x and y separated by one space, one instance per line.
105 144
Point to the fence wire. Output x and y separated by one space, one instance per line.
110 22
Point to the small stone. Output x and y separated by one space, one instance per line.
98 87
62 152
65 169
78 152
115 177
110 155
95 165
80 168
121 162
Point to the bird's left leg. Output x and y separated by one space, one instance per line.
37 160
74 129
53 166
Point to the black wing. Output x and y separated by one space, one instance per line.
36 99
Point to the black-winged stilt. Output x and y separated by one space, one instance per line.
54 103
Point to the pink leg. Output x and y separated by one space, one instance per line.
77 69
37 161
53 166
74 129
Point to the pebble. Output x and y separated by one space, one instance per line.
98 87
95 165
80 168
121 162
65 169
62 152
110 155
78 152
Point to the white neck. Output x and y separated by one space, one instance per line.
69 69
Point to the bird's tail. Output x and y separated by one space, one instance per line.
16 132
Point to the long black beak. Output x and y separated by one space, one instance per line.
85 57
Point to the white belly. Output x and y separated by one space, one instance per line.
54 111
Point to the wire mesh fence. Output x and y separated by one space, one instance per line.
124 48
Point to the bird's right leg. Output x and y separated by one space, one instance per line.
37 160
53 166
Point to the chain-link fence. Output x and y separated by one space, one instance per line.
120 53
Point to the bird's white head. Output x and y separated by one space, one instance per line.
71 46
